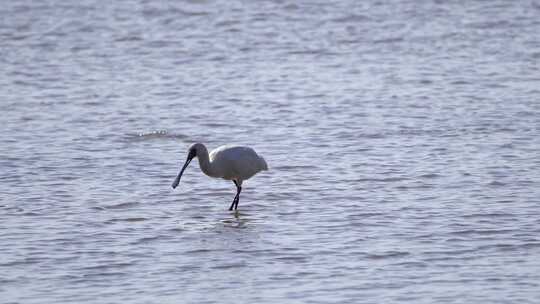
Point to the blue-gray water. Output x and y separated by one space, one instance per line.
403 142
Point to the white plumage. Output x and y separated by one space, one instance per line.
229 162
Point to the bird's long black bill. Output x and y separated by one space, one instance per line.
177 180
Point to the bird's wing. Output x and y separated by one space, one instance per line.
241 162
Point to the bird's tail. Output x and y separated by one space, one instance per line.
264 165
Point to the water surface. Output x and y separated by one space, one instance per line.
402 140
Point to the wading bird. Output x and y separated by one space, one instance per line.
234 163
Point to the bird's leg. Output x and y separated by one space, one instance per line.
235 200
238 190
238 198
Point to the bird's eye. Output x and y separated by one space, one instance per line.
192 152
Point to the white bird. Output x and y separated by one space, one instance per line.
234 163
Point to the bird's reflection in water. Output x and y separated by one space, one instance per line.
236 220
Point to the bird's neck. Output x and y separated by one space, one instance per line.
206 165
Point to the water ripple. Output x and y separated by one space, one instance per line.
402 140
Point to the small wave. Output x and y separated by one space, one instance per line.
227 23
489 24
387 255
293 258
291 7
381 180
530 245
372 135
460 82
500 247
158 134
106 266
24 261
293 167
145 240
31 213
198 251
311 52
496 184
482 232
158 12
412 264
117 206
128 38
429 176
388 40
350 18
365 215
130 219
452 253
230 266
487 215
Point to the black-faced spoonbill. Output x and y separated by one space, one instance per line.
234 163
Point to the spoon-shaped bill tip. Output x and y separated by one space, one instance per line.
176 182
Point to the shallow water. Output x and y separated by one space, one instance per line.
402 141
